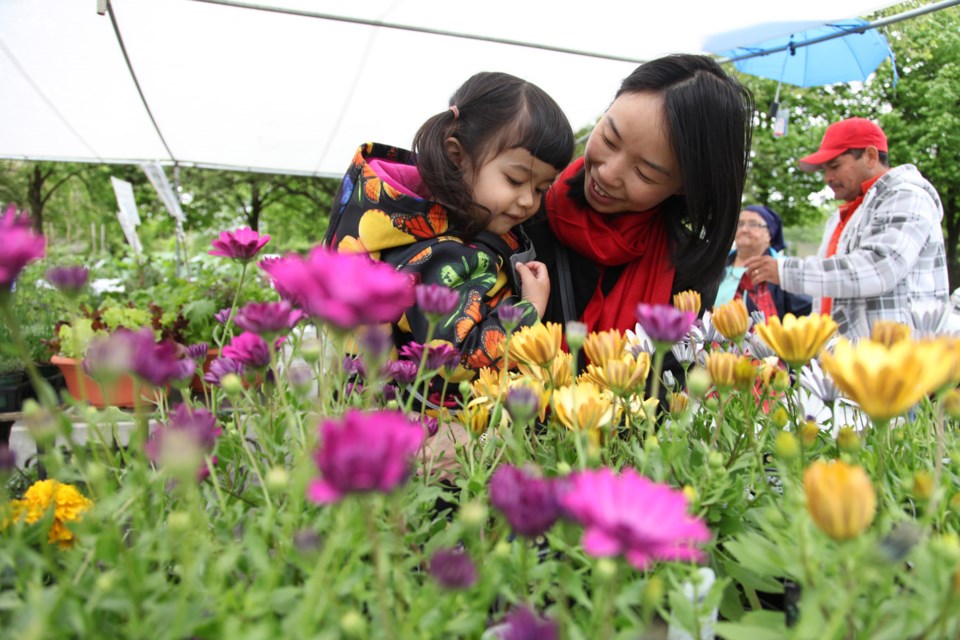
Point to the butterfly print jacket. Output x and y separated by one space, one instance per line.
380 213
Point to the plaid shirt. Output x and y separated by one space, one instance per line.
890 261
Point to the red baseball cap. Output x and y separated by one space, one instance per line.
852 133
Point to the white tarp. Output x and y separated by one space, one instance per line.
241 88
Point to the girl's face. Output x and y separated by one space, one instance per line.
510 185
629 162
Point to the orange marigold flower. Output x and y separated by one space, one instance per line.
68 503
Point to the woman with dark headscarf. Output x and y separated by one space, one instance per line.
759 232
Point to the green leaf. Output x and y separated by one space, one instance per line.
756 625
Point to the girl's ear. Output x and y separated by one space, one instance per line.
455 152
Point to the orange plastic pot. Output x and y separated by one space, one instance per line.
120 393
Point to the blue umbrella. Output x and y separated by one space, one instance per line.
828 59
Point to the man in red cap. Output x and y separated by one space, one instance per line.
882 255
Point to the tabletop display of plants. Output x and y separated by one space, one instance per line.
307 492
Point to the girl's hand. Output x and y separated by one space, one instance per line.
535 284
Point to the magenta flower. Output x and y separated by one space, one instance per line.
221 367
634 516
223 315
403 372
183 441
440 354
111 356
435 299
430 424
68 280
241 244
20 244
8 459
344 290
198 351
664 323
268 318
453 569
363 452
160 364
529 503
248 349
524 624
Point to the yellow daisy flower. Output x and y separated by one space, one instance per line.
731 320
797 340
688 300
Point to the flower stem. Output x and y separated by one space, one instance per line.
380 563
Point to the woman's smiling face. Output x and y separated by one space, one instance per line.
629 162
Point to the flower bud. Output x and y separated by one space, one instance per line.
698 381
502 549
466 390
651 443
787 446
564 468
41 424
678 404
353 624
473 515
715 459
231 384
840 498
690 493
96 473
780 417
277 479
810 431
951 403
847 440
606 569
105 581
179 521
311 349
653 592
744 374
576 334
711 403
923 485
781 381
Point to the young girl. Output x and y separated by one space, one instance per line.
446 212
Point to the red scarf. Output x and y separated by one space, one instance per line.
635 239
847 210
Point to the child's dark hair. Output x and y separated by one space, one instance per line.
709 115
491 112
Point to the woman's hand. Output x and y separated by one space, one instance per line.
535 284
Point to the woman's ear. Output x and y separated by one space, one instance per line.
455 152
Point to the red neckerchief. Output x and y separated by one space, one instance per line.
635 239
847 209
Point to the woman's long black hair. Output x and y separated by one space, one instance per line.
709 115
493 112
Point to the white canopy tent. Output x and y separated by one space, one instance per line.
210 83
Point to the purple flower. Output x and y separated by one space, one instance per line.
68 280
363 452
183 441
8 459
633 516
221 367
268 318
160 364
222 316
249 349
430 425
376 341
509 316
522 402
529 503
403 372
453 569
440 354
20 246
435 299
353 366
198 351
524 624
241 244
663 323
111 356
344 290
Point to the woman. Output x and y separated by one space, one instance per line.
759 232
651 207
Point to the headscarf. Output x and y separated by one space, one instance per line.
773 222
